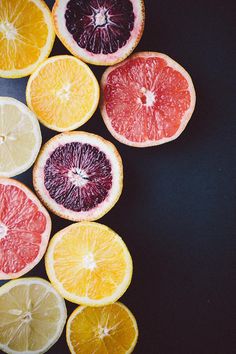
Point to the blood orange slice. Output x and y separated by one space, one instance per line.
100 32
78 176
25 227
147 100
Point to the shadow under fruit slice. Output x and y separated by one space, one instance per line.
106 330
89 264
100 32
26 36
25 227
78 176
33 316
146 100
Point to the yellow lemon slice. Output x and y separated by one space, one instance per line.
63 92
104 330
20 137
89 264
33 316
26 36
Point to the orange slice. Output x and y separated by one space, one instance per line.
26 36
63 92
89 264
104 330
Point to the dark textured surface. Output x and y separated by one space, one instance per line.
177 211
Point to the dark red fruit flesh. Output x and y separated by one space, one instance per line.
100 26
78 176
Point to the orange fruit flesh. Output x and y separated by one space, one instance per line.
107 329
62 93
23 33
89 266
146 99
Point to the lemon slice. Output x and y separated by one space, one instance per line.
26 36
33 316
104 330
20 137
89 264
63 92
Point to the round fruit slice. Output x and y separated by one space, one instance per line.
147 100
25 227
20 137
78 176
89 264
100 32
63 92
33 316
104 330
26 36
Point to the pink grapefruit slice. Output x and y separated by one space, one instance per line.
25 227
147 100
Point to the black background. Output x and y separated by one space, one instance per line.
177 211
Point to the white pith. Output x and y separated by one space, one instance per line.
26 316
45 235
8 29
45 51
117 175
25 111
59 10
185 118
3 230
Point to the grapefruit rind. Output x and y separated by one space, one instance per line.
86 301
65 37
96 87
80 309
14 74
45 235
107 147
185 118
42 282
37 133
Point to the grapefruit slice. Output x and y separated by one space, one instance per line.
20 137
63 92
25 227
78 176
26 36
100 32
104 330
147 100
89 264
33 316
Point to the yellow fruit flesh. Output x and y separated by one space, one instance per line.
17 138
28 317
89 262
63 93
23 34
108 329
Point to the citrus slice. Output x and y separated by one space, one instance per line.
147 100
105 330
26 36
33 316
25 227
20 137
63 92
78 176
100 32
89 264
